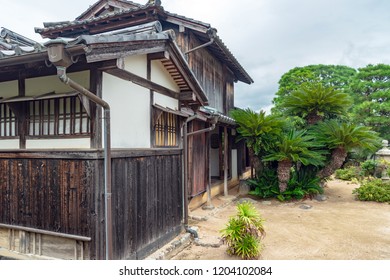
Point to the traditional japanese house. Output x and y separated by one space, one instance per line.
110 128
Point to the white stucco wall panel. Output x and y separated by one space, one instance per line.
68 143
234 165
136 64
214 162
8 89
42 85
9 144
166 101
130 112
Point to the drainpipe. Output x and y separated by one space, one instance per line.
62 60
212 33
185 181
185 148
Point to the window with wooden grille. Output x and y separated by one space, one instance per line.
166 130
8 122
57 117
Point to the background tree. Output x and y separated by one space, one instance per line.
336 76
371 91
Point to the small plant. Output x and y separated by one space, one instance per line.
244 232
347 174
374 190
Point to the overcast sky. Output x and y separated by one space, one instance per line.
268 37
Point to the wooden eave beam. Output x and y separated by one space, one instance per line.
186 24
128 76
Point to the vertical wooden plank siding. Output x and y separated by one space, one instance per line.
66 195
147 203
198 160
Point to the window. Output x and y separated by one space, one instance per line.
49 115
57 117
166 130
8 122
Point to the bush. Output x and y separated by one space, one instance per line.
302 184
352 172
374 190
244 232
369 167
266 185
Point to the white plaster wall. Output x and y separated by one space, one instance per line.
66 143
166 101
130 112
234 165
214 162
41 85
7 144
8 89
161 76
137 64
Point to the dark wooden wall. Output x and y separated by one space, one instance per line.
198 160
216 79
64 192
147 203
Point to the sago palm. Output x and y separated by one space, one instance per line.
293 147
341 138
314 102
258 130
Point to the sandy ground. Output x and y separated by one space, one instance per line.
340 228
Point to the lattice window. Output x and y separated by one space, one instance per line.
8 122
57 117
166 130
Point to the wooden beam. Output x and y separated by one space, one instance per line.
158 55
128 76
187 96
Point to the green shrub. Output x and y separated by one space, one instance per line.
374 190
244 232
302 184
266 185
352 172
369 167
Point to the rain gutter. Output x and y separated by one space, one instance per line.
61 59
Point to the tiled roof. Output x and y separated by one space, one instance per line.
14 44
125 2
81 27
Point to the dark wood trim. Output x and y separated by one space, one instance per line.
22 125
158 56
128 76
96 81
87 154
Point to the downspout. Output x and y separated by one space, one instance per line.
212 33
62 60
185 148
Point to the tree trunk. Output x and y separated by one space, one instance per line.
338 157
256 162
284 169
313 118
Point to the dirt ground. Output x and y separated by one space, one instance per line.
340 228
